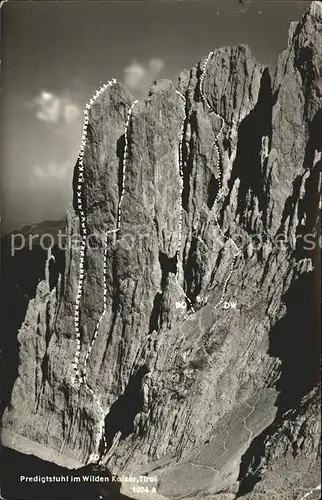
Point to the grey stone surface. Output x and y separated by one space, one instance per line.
186 396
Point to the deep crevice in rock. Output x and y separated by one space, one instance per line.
247 165
193 271
250 471
309 209
120 149
290 343
168 265
213 187
189 161
122 413
315 139
155 317
197 96
303 61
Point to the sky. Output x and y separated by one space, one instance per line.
55 54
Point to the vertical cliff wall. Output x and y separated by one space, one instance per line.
137 356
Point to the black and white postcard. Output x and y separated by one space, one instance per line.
160 252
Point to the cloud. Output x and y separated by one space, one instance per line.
47 107
156 65
52 171
138 77
133 75
71 112
51 108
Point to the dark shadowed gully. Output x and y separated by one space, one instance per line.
201 360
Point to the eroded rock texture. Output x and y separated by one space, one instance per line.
217 402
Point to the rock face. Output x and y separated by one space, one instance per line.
182 211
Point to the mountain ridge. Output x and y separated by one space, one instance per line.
172 379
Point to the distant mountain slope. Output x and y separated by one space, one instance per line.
183 341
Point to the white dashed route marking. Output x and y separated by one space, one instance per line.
105 257
101 433
309 493
79 378
82 217
126 147
220 187
82 378
104 301
106 238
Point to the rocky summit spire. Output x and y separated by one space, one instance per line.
173 342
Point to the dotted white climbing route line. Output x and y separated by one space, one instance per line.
101 433
309 493
231 270
83 241
104 301
220 185
107 454
181 95
105 241
82 217
186 296
126 147
212 111
77 377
